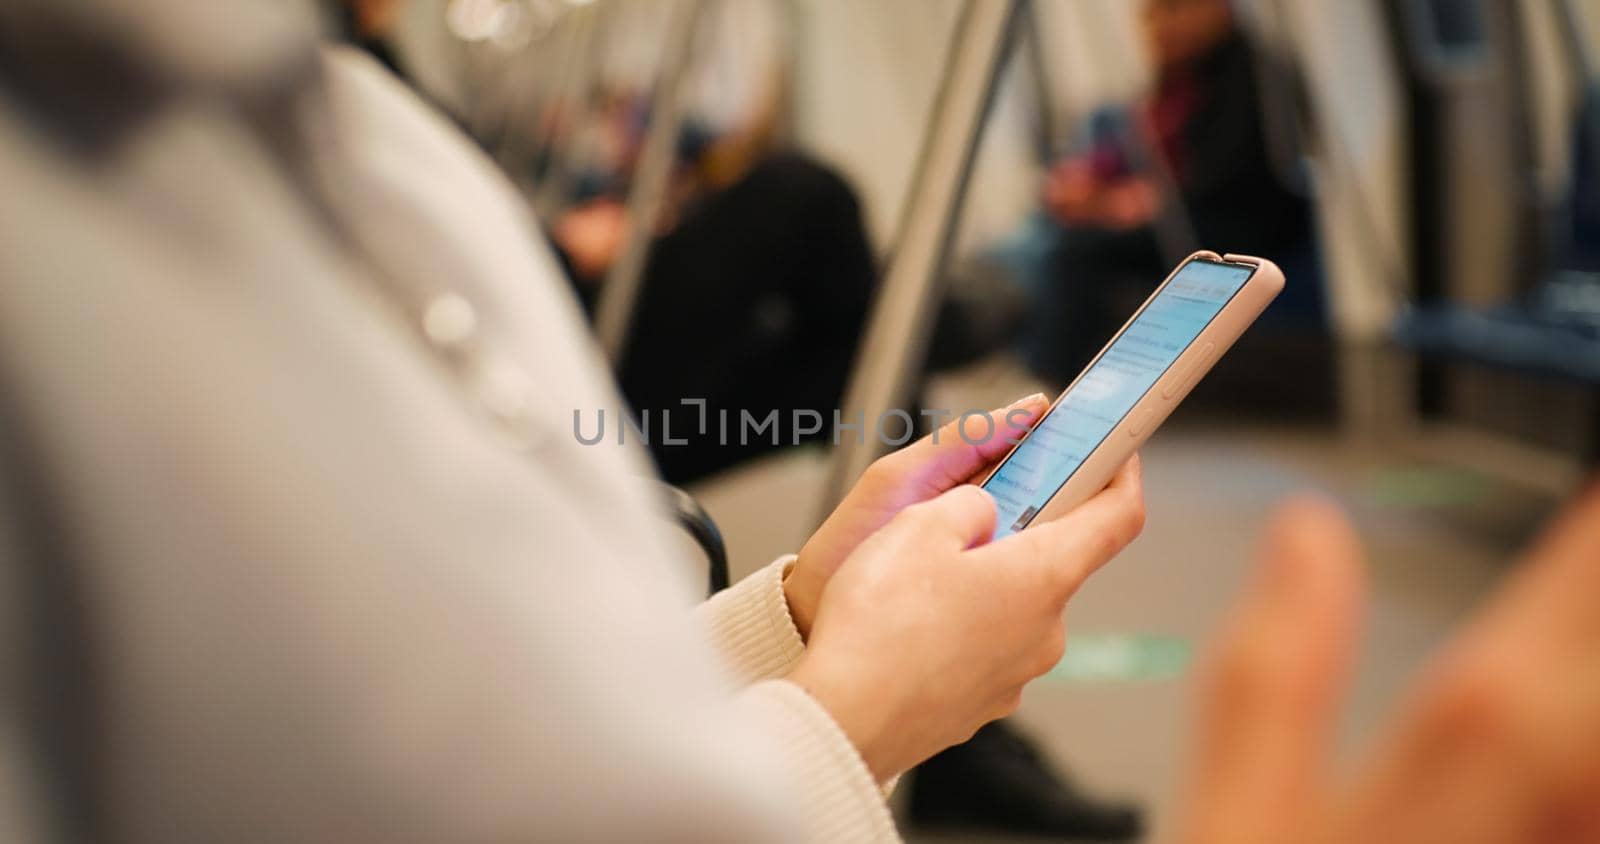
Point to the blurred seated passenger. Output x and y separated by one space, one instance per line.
754 295
1204 118
756 301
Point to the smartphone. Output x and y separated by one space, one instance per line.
1130 387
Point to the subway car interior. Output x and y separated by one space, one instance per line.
801 235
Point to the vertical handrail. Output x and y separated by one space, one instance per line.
619 292
573 95
1572 26
1047 134
895 342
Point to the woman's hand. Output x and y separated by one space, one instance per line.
1129 204
1071 193
928 630
1498 742
955 454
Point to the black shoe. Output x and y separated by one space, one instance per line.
998 782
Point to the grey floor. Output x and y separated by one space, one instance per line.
1437 539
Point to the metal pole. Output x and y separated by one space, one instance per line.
572 99
521 89
1573 25
620 291
1047 135
895 343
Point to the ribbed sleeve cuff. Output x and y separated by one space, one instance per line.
751 626
842 801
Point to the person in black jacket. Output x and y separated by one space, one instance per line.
1204 117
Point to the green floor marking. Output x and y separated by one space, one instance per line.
1428 487
1120 657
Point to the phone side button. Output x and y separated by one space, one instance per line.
1141 421
1190 375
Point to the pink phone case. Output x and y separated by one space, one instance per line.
1153 408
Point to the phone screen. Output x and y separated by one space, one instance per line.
1109 389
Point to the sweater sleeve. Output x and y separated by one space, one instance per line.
750 625
842 801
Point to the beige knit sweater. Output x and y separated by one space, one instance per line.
751 626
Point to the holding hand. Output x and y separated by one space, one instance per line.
1076 196
951 456
926 632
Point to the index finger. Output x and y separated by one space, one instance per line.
965 446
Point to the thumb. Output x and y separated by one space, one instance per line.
963 516
1272 685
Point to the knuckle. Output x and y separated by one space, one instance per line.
1062 579
1106 543
975 428
965 734
1003 706
1050 650
883 468
1137 514
1128 524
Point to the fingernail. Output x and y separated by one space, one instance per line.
1033 398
